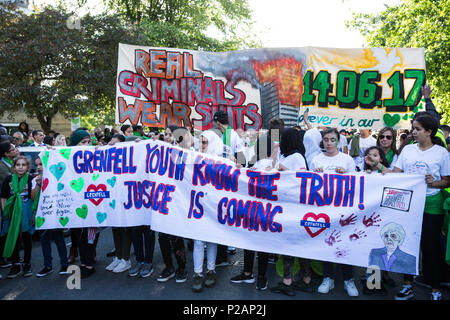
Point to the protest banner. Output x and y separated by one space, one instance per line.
366 88
358 219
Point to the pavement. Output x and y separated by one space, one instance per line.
105 285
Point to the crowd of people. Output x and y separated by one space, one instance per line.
423 149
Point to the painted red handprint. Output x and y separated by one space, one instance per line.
347 221
356 235
333 238
341 252
370 222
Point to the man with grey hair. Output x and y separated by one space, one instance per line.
18 139
391 258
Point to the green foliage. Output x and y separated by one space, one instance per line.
48 65
210 25
415 24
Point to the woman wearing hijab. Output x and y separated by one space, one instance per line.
292 159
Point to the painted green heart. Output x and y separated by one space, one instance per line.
77 185
39 222
389 120
63 221
60 186
101 216
405 117
111 181
95 176
65 152
82 212
112 204
45 158
58 169
411 115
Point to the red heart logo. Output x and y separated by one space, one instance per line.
316 218
100 187
44 184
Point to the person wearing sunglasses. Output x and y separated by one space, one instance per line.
386 140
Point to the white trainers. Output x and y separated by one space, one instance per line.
113 264
326 285
350 287
123 265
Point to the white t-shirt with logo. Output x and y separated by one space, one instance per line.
236 145
329 164
434 161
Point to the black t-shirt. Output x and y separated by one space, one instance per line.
7 191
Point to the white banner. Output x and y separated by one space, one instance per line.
359 219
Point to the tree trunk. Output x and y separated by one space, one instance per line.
45 122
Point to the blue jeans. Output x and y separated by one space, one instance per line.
58 237
143 239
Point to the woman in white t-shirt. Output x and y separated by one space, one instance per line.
292 159
430 158
334 161
292 151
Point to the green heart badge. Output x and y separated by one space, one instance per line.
63 221
65 152
77 185
45 158
95 176
389 120
58 169
101 216
82 212
39 222
111 181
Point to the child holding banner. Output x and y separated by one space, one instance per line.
8 152
46 236
375 154
85 238
430 158
334 161
18 219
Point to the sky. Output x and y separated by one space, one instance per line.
297 23
316 23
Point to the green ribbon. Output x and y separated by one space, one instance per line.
13 211
36 201
227 136
446 225
435 204
390 156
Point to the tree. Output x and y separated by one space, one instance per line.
48 65
415 23
210 25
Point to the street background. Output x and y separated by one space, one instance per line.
105 285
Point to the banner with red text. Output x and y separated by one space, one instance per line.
359 219
344 88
